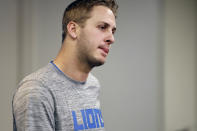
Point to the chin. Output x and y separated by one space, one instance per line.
94 63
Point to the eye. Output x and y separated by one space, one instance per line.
102 27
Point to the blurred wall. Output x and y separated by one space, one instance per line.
8 60
180 65
140 87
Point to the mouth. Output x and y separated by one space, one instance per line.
104 49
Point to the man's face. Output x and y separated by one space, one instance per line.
96 36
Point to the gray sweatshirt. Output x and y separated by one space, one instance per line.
48 100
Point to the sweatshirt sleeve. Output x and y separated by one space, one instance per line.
33 108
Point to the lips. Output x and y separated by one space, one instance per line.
105 49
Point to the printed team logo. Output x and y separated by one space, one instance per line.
87 119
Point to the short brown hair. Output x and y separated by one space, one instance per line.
79 11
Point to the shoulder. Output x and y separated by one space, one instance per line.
31 85
34 85
32 95
45 77
41 75
33 89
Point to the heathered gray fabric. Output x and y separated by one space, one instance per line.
48 100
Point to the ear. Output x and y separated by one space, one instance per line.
72 28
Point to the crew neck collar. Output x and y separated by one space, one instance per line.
67 77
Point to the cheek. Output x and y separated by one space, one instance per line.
92 38
95 34
96 40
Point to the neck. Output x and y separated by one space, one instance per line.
69 64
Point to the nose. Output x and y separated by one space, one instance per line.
110 39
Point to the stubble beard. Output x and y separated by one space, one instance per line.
85 54
85 57
93 63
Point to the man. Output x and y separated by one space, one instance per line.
63 96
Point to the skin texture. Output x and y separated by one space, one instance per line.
88 46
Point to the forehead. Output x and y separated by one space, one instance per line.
104 14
